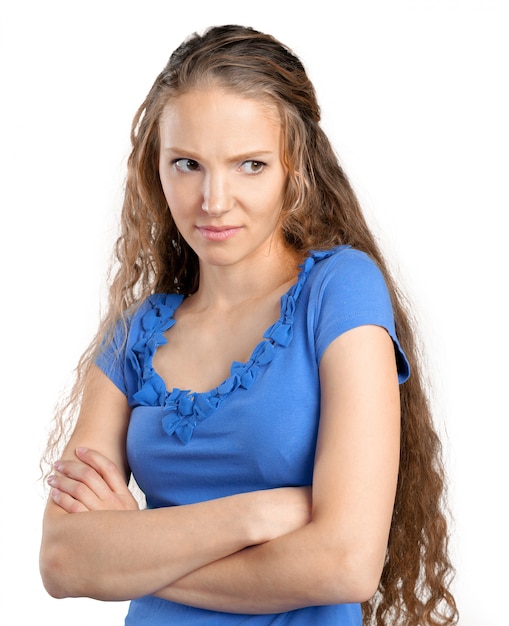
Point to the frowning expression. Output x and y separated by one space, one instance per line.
222 174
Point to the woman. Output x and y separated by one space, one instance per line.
253 373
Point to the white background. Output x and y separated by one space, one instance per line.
414 96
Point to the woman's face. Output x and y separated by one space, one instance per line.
222 175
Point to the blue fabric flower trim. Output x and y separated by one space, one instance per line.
183 410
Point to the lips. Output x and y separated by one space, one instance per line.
218 233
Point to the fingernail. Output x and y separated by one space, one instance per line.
51 480
81 451
58 465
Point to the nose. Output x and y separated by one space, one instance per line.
216 196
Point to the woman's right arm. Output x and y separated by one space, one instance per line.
96 542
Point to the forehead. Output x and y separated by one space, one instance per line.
208 108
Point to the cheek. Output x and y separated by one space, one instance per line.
180 198
274 196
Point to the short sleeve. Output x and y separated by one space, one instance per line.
352 292
112 356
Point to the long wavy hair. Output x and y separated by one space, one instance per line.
320 211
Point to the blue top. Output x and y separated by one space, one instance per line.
256 430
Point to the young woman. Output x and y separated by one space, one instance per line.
256 372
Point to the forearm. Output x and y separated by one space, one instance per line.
250 581
297 570
118 555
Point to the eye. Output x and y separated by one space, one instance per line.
252 167
186 165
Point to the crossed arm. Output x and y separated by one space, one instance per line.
261 552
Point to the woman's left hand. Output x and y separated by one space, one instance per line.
91 482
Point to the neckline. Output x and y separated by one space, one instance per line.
184 409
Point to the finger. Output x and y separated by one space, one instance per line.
67 502
84 474
104 466
88 486
78 491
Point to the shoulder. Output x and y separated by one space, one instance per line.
344 260
156 305
347 289
350 273
135 336
150 312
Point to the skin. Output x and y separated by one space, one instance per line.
223 178
223 183
303 550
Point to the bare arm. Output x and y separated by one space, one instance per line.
339 556
97 543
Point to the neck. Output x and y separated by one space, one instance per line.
225 287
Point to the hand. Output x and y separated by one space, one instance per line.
90 483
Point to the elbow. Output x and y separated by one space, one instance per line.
54 558
351 577
363 581
58 567
67 572
53 572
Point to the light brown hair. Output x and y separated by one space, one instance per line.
320 211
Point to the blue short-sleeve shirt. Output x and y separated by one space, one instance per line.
257 429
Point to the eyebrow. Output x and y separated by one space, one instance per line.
238 157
